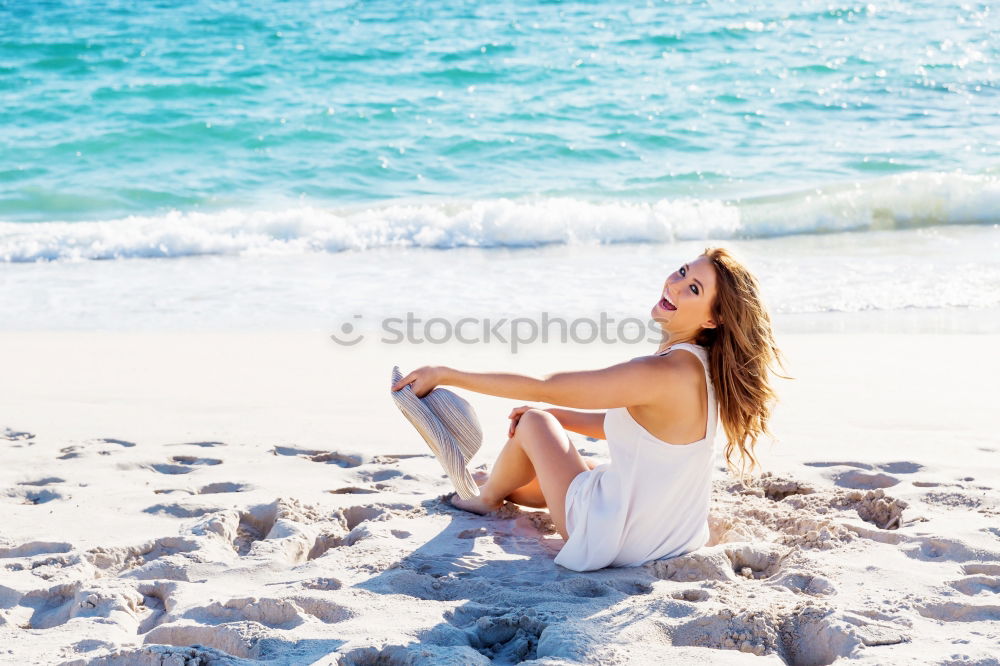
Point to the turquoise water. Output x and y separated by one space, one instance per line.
118 108
305 163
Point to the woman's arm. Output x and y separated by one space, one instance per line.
589 424
640 381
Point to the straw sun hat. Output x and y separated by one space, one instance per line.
450 427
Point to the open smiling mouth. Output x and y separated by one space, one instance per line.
667 305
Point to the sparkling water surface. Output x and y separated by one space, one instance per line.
288 158
133 107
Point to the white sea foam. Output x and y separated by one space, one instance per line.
944 278
901 201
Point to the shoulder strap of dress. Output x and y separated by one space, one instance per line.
697 350
702 355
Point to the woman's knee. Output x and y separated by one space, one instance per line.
536 417
542 433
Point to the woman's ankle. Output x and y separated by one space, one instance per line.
487 496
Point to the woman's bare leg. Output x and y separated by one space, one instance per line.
539 448
530 494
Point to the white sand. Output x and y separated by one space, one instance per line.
213 498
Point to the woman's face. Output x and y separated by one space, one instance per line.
685 305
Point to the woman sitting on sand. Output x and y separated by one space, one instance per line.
651 501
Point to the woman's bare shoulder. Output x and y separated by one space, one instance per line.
679 375
676 359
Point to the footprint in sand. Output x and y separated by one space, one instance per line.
424 652
940 549
803 634
358 521
179 510
46 608
873 506
756 561
324 543
204 445
47 560
977 585
165 468
632 587
114 601
91 645
806 583
371 522
394 458
865 476
33 548
26 496
223 487
195 460
321 584
331 457
103 446
15 435
588 588
210 489
183 464
953 611
355 515
778 488
859 465
728 561
255 525
384 475
286 529
283 530
347 527
158 602
901 467
47 481
274 613
233 639
754 632
693 595
112 440
502 635
952 500
863 481
115 560
46 567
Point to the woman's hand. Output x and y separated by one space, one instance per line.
515 416
422 380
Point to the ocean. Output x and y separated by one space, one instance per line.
301 164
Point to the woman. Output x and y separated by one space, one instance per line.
651 500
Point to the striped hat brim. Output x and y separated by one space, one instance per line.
449 425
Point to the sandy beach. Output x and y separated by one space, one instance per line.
232 497
195 198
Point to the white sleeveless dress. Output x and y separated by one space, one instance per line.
650 502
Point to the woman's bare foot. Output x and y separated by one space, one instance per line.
474 505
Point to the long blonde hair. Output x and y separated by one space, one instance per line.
741 352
